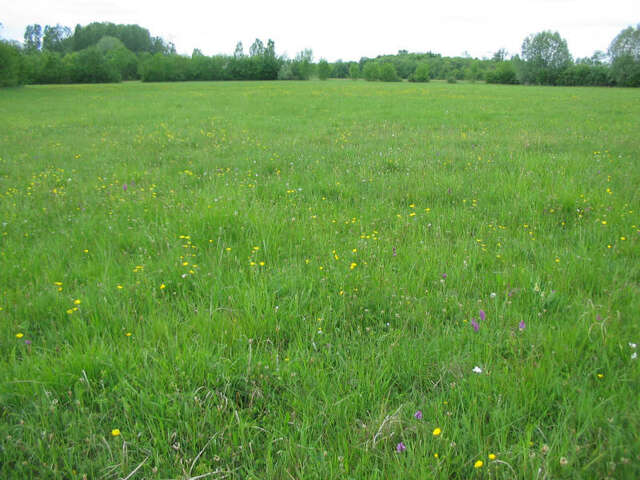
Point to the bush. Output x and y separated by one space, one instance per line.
371 72
504 73
354 71
388 73
421 74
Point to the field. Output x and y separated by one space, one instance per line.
319 280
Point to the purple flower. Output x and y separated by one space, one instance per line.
27 342
522 325
400 447
124 187
475 325
394 251
418 415
482 315
444 276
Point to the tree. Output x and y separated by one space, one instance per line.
239 51
500 56
624 52
371 71
10 65
324 69
56 39
354 71
388 73
257 49
545 56
421 74
33 37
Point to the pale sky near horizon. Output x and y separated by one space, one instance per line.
344 29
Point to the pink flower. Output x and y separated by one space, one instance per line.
522 325
483 316
400 447
475 325
418 415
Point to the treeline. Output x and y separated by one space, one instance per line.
105 52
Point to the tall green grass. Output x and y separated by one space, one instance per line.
269 280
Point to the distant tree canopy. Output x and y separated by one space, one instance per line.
107 52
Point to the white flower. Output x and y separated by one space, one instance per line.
493 295
634 355
477 370
632 345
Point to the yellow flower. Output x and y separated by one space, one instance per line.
492 456
119 287
57 284
261 264
353 265
435 455
163 286
19 335
115 432
478 464
437 431
77 302
70 311
128 334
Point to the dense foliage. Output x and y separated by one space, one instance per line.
106 52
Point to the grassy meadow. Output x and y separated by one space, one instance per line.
319 280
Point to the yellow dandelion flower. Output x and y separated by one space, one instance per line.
163 286
228 249
128 334
115 432
19 335
492 456
70 311
478 464
261 264
353 265
77 302
57 284
437 431
119 287
435 455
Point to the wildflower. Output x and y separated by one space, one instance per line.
124 187
478 464
522 325
475 325
115 432
77 302
418 415
119 287
632 345
483 316
437 431
444 276
394 251
477 370
492 295
492 456
600 375
163 286
128 334
353 265
400 447
19 335
634 355
27 342
563 461
435 455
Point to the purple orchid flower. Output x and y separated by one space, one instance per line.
475 325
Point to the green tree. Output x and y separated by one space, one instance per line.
56 39
10 65
388 73
421 74
324 69
354 71
371 72
33 37
624 52
545 56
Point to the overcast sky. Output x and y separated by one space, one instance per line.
346 29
